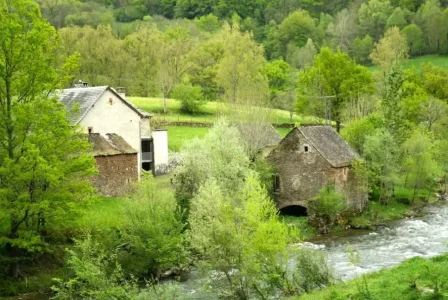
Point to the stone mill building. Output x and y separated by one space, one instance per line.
310 158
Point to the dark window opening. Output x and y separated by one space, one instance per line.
90 129
276 182
147 166
294 210
111 101
306 148
146 145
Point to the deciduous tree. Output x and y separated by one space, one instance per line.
44 161
335 74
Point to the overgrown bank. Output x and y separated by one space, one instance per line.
416 278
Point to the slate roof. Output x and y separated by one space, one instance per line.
330 145
112 144
86 97
265 134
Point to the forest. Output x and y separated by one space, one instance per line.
336 62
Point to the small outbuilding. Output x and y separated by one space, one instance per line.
116 162
310 158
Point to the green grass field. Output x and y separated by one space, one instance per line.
437 60
177 135
211 111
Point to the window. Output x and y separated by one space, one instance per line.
146 145
306 148
111 101
276 182
89 129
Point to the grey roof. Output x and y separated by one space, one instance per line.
112 144
86 97
330 145
263 135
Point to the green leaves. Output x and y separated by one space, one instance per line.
334 74
44 161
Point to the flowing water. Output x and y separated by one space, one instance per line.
383 248
387 247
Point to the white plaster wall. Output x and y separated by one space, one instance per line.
145 129
160 141
115 118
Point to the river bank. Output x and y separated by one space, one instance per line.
416 278
376 216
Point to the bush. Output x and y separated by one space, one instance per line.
190 96
312 270
324 209
240 239
97 274
152 234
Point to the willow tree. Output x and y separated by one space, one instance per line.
43 159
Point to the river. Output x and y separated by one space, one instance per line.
389 246
425 236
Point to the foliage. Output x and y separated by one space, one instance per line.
391 48
218 155
152 232
240 238
44 161
190 97
278 73
265 172
361 49
405 282
328 203
312 270
239 72
414 37
97 274
324 208
335 74
421 168
381 153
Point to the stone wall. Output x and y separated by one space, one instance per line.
115 174
302 174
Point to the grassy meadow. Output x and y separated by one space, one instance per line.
417 62
211 111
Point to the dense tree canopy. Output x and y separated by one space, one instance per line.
44 161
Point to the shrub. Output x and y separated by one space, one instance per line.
97 274
240 239
324 209
152 234
190 96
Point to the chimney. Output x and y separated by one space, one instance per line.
81 84
122 92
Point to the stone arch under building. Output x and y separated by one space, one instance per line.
294 210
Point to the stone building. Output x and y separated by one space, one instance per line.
116 162
103 110
312 157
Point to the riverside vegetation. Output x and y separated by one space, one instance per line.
217 214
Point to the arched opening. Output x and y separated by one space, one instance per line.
294 210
